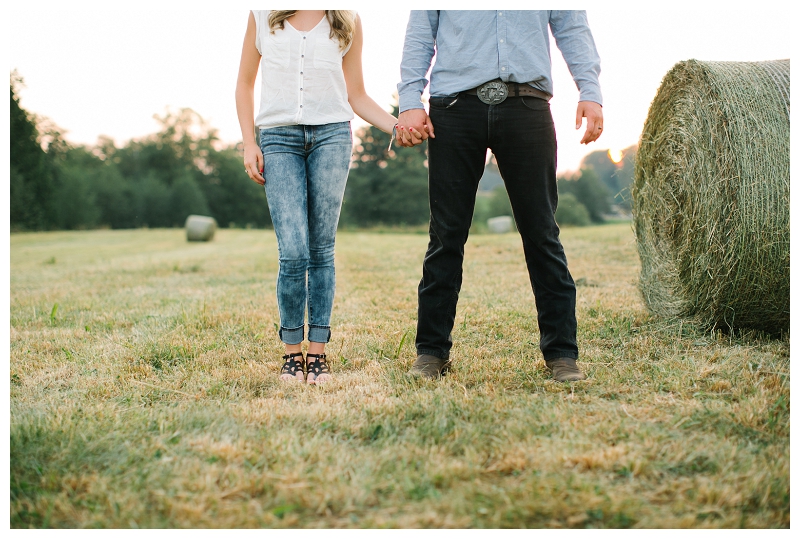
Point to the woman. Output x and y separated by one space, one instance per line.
312 83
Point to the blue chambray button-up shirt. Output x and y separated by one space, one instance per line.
473 47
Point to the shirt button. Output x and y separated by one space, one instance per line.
301 106
502 69
501 13
302 56
301 72
502 40
304 37
301 89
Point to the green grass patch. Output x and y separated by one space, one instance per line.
144 392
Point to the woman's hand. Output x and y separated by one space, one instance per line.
254 163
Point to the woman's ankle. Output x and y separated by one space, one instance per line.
316 348
293 348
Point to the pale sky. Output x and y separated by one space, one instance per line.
94 70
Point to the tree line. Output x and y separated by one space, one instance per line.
183 169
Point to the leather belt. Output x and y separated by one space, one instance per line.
496 91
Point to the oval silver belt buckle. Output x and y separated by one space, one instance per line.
493 93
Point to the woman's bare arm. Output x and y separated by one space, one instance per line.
362 104
248 69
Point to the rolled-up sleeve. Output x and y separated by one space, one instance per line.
418 51
574 40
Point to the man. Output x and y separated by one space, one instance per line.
490 88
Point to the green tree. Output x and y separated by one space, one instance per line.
570 212
386 186
500 204
185 162
233 198
75 171
587 188
600 162
155 181
31 181
186 199
180 147
156 198
616 176
481 213
119 200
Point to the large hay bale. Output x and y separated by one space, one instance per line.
200 228
499 225
711 195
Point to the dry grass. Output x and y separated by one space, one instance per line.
149 397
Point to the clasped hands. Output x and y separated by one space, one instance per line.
414 125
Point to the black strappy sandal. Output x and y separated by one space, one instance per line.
293 366
317 367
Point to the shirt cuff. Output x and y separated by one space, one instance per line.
410 100
591 92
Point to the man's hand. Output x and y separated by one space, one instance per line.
413 126
593 113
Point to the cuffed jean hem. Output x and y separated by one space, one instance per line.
319 333
559 355
434 353
291 336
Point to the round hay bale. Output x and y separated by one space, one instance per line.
711 195
200 228
499 225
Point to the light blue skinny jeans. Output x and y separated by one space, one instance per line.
305 168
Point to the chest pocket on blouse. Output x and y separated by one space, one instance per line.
327 53
276 49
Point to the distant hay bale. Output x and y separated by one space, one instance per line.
200 228
711 195
499 225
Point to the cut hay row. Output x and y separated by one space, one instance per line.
711 195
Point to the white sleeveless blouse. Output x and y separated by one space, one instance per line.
302 81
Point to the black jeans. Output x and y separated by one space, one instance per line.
521 135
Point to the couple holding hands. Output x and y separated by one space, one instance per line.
489 89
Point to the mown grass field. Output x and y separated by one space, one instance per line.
145 393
